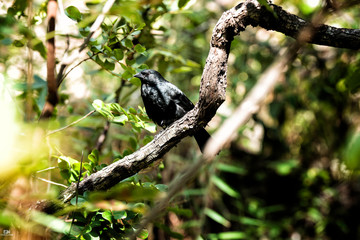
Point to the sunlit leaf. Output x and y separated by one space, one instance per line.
120 214
232 235
231 168
54 223
352 153
107 215
217 217
139 48
161 187
222 185
143 234
73 13
122 119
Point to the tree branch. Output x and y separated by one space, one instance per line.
52 97
212 90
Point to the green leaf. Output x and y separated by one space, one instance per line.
181 211
109 65
140 26
147 139
65 174
107 215
143 234
19 43
93 235
38 46
132 110
73 13
222 185
352 153
231 168
66 162
128 43
63 164
130 62
217 217
88 167
80 200
232 235
108 49
162 187
122 119
120 214
126 75
139 48
118 54
54 223
284 167
103 109
251 221
135 81
182 3
151 127
94 156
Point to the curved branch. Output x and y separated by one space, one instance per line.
212 90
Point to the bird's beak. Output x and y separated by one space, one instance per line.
139 75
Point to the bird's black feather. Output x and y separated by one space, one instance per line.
165 103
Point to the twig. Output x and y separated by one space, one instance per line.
46 169
71 124
51 182
67 73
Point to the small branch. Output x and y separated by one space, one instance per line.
71 124
46 169
52 98
67 73
51 182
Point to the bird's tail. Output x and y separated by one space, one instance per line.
201 137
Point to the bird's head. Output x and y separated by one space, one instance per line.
149 76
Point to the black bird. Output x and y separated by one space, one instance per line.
165 103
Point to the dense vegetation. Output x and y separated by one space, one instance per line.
291 173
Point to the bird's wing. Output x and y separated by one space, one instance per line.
180 98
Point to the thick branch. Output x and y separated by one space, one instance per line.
212 89
291 25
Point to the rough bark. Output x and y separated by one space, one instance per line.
212 89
